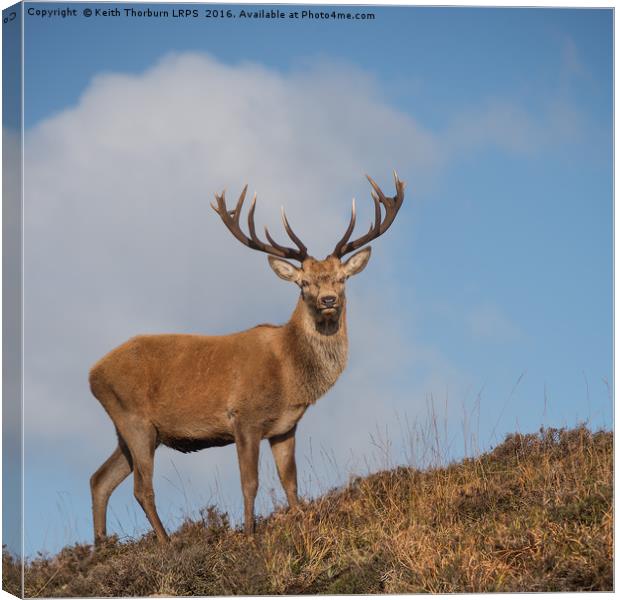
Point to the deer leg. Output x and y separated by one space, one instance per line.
103 482
141 439
248 444
283 450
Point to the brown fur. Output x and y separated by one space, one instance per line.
192 391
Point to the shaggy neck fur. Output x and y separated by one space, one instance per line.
318 350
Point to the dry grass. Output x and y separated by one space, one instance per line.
535 514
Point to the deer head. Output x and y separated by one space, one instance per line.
322 282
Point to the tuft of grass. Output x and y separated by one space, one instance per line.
11 573
534 514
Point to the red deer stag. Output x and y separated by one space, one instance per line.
191 392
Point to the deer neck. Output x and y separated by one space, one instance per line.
318 352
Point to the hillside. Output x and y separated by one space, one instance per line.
534 514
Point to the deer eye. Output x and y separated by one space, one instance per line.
342 279
304 283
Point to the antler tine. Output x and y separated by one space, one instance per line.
347 234
377 189
400 188
377 222
275 244
218 199
291 233
237 212
379 226
231 220
251 225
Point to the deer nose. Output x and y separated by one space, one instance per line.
328 301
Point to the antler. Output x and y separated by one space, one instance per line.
231 220
392 206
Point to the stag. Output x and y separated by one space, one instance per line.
191 392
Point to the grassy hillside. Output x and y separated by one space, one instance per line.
535 514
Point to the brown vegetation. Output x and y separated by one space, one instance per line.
535 514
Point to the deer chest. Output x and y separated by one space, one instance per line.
286 420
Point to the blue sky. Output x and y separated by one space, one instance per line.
491 295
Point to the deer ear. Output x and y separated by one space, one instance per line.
284 269
357 262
